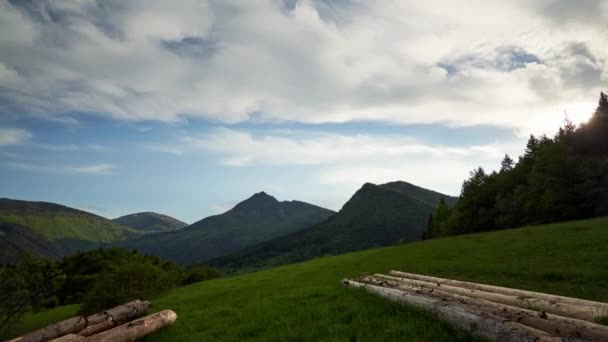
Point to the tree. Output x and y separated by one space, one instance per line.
135 279
428 233
531 146
32 285
602 108
557 179
506 164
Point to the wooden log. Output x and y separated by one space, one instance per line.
474 321
69 338
600 309
92 324
97 328
69 326
137 329
561 309
557 325
122 313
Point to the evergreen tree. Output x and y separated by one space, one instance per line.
531 146
507 163
428 232
556 179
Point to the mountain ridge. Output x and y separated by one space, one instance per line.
376 215
52 230
259 218
149 221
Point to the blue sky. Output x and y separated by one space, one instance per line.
117 107
113 168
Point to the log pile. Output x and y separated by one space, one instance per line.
119 324
497 313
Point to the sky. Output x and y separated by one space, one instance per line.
188 107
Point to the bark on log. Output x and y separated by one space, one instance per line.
97 328
122 313
474 321
69 326
137 329
69 338
599 308
92 324
562 309
557 325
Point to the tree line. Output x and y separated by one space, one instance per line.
559 178
97 279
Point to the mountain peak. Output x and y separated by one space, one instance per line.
150 221
257 201
263 194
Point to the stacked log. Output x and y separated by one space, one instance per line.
116 324
497 313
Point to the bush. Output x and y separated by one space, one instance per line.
32 285
200 273
126 282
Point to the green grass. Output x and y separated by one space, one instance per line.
55 226
305 302
33 321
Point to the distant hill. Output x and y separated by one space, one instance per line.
52 230
259 218
376 215
150 222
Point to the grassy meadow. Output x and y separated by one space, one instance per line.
305 302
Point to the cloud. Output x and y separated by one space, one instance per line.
67 147
96 169
355 159
174 150
13 136
330 61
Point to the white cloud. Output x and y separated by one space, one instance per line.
96 169
13 136
399 61
355 159
174 150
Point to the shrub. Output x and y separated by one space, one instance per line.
200 273
131 280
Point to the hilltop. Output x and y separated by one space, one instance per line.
52 230
150 222
256 219
376 215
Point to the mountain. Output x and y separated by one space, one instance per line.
376 215
51 230
259 218
150 222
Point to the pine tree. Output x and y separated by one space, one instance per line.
428 233
506 164
602 108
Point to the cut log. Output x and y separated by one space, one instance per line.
562 309
69 326
122 313
97 328
137 329
88 325
474 321
600 309
557 325
69 338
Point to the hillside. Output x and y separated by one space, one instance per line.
376 215
150 222
306 302
259 218
51 230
